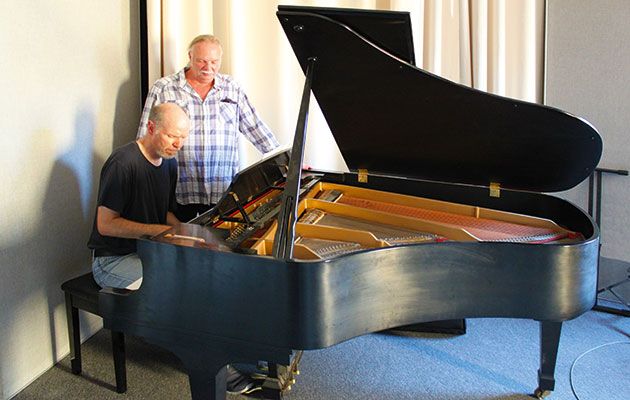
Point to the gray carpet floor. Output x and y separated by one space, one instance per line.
497 359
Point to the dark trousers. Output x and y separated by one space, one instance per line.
187 212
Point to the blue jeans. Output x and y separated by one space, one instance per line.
118 271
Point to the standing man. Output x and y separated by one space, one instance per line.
219 111
136 197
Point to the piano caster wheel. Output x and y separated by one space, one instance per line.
541 394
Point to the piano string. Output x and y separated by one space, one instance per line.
327 209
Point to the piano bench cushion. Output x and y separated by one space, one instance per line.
84 292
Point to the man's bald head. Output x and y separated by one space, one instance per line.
161 112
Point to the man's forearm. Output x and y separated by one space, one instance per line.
124 228
171 219
110 223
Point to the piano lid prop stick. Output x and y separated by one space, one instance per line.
176 236
285 233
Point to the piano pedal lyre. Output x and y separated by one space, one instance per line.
278 378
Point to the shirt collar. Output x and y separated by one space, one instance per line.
181 77
219 80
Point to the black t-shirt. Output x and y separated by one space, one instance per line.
138 190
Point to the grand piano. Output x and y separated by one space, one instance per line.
442 216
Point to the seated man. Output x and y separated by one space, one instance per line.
136 197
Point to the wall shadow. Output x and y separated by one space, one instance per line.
128 100
68 214
56 249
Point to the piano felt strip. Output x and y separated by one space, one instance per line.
388 233
482 228
327 249
329 195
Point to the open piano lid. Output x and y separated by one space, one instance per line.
392 118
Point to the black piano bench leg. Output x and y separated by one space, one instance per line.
82 293
118 348
549 342
74 334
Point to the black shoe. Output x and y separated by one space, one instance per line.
237 382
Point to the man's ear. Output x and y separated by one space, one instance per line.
150 127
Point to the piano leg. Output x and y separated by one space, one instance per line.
206 367
206 361
549 341
206 386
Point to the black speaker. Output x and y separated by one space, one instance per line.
449 326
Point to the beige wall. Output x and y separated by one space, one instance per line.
70 93
588 71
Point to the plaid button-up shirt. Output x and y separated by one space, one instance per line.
209 158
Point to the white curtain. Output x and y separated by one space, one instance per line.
492 45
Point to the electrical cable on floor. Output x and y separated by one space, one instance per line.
582 355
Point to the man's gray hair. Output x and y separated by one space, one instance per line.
203 38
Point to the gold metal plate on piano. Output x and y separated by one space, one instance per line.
495 189
363 176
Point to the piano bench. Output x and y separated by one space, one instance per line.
82 294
